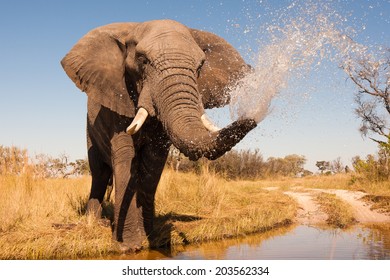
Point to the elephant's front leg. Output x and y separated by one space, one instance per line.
127 227
152 160
137 174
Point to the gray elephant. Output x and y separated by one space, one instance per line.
147 86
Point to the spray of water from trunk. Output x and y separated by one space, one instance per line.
297 45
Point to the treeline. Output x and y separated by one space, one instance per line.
16 161
250 165
234 165
243 164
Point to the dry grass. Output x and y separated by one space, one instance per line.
379 202
338 181
340 213
378 193
189 208
206 207
28 210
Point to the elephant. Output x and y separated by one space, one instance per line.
148 85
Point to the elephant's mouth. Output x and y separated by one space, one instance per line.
142 115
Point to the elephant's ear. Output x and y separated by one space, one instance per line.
222 68
96 64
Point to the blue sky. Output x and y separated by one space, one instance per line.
43 111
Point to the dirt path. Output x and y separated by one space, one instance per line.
363 213
310 213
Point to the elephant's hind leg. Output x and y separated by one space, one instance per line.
101 175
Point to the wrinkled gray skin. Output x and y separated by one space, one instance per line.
174 73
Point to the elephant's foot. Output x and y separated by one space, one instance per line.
131 243
133 246
132 225
125 248
105 223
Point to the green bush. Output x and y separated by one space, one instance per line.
373 168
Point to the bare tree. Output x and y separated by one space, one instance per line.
372 77
337 165
13 160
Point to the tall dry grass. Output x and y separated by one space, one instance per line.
30 207
337 181
206 207
45 218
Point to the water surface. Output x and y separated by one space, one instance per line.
301 242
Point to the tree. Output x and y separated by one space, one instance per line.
372 77
78 168
323 165
290 165
13 160
295 164
337 166
243 164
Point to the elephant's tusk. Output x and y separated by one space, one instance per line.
138 121
209 124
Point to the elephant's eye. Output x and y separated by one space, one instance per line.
199 68
142 60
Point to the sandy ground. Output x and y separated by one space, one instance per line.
310 212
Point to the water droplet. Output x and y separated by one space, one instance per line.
297 46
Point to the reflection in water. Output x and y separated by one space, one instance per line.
301 242
313 243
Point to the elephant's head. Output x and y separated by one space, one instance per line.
163 69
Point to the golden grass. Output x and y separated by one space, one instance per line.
378 193
379 202
340 213
207 207
189 208
28 210
337 181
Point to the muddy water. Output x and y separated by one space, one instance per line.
301 242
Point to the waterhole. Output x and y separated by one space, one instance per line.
295 242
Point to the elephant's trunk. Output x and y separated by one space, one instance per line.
211 145
180 110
